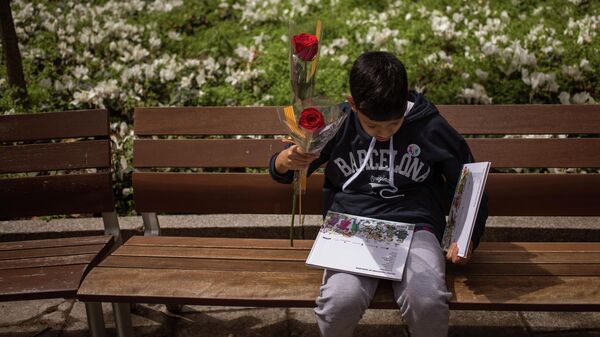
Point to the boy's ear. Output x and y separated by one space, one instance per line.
351 102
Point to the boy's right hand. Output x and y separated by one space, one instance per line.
293 158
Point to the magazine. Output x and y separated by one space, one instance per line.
465 204
360 245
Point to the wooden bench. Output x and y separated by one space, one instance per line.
46 142
549 276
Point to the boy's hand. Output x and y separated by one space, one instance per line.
293 158
452 254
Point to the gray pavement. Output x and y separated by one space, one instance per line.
58 317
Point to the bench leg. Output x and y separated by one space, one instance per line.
123 324
111 227
151 225
95 319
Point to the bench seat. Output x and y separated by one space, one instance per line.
269 273
52 268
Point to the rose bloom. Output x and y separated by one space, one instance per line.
305 46
311 119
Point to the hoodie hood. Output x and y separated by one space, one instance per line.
421 109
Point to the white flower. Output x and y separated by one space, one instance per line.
572 72
186 82
564 98
481 74
342 58
2 81
582 98
85 96
134 72
475 95
585 65
539 80
175 36
201 78
154 41
167 74
245 53
442 26
490 48
164 6
260 39
81 72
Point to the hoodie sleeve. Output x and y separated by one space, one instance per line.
288 177
458 153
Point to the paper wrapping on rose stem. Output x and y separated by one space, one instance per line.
312 141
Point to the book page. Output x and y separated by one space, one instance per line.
361 245
465 204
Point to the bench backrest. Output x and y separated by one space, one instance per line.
225 137
52 142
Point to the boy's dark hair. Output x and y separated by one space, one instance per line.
379 86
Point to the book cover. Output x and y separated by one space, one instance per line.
465 204
361 245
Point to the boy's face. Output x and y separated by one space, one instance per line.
381 130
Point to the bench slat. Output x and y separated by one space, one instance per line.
224 264
62 242
55 156
515 257
40 282
64 124
47 261
467 119
225 253
298 266
46 252
208 242
509 194
526 269
36 273
546 293
503 153
240 288
523 119
61 194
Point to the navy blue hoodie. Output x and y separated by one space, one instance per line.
427 156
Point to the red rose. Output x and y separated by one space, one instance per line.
311 119
305 46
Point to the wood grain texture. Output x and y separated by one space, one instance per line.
246 272
50 125
41 282
503 153
61 194
55 156
38 269
467 119
509 194
61 260
53 243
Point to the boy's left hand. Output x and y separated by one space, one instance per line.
452 254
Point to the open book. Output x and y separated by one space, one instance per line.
465 204
360 245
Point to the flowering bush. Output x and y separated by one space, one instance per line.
122 54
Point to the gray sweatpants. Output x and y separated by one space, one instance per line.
421 295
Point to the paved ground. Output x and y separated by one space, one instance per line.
58 317
67 318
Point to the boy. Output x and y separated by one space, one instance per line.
395 158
